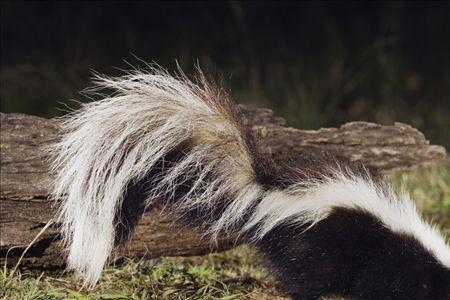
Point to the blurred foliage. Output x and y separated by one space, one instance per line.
316 64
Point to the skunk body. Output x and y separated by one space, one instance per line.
326 227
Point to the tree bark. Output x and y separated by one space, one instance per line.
25 179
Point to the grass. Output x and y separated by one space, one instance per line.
230 275
430 189
233 274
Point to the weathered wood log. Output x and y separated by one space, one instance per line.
25 179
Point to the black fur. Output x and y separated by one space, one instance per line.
351 254
133 204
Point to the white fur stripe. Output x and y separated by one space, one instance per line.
313 202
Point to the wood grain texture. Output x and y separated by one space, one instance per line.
25 179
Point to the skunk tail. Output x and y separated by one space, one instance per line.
185 140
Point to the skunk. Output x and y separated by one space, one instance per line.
326 227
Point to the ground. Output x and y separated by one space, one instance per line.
234 274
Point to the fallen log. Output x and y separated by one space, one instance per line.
25 179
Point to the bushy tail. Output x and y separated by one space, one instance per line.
186 135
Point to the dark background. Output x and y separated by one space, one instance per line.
316 64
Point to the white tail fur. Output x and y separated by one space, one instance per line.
110 143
